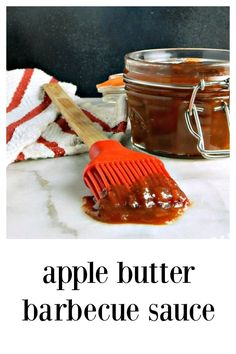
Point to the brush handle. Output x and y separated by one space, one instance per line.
74 116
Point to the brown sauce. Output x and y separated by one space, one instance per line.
157 115
154 200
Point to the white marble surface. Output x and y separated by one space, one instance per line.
44 201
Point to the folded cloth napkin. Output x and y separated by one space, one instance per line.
35 129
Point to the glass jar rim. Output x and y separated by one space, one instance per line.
133 56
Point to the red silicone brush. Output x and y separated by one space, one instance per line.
111 163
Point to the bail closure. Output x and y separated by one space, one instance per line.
192 114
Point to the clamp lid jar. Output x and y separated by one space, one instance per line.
178 101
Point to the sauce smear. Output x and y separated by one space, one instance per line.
154 199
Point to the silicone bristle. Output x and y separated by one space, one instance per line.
93 183
155 167
128 172
122 175
113 173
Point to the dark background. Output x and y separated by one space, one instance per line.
83 45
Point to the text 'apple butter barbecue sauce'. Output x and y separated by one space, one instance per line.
159 87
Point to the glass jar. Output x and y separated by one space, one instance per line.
178 101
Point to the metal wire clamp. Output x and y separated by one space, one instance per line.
192 114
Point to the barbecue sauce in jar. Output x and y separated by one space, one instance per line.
159 86
154 199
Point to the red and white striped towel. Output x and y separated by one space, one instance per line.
34 127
